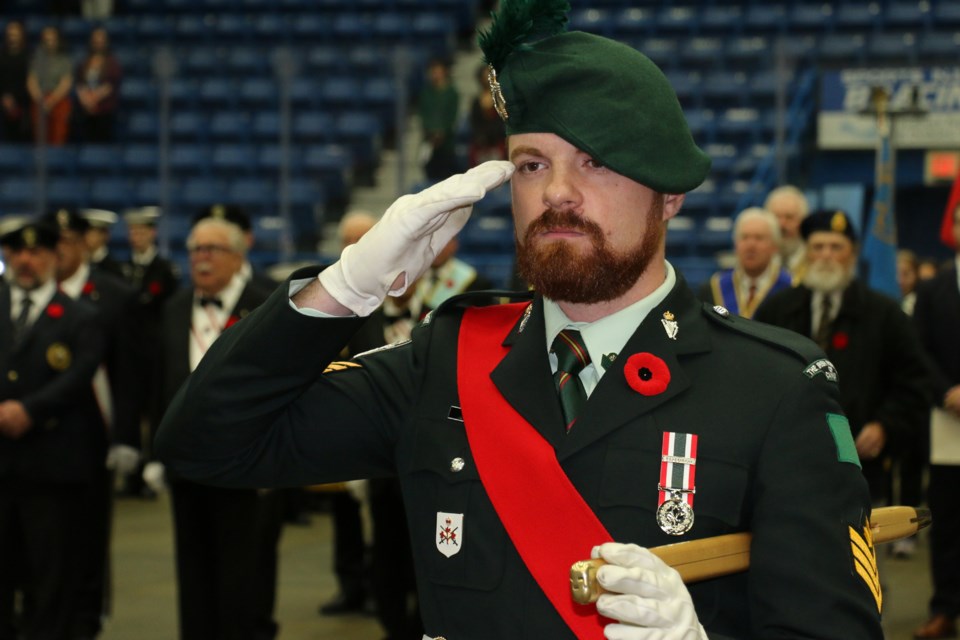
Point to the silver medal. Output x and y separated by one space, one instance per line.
675 516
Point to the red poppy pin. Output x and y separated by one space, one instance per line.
232 320
155 288
87 288
55 310
647 374
840 340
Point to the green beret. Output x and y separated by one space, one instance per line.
602 96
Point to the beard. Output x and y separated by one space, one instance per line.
562 272
827 277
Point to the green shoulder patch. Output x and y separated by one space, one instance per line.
843 438
341 365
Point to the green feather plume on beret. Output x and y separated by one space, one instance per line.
602 96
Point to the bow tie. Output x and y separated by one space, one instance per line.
207 300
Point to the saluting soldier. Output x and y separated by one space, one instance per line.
531 435
52 434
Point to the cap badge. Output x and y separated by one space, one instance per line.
29 237
218 211
499 102
63 218
838 222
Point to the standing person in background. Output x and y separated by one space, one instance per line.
224 538
487 141
937 318
97 237
868 339
14 97
438 107
98 79
52 434
239 216
447 276
116 384
155 279
50 82
758 273
790 206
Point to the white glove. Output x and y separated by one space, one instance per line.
154 476
123 459
359 490
401 246
646 596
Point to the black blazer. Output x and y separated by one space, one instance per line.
50 372
936 316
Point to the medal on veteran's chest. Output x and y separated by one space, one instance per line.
677 483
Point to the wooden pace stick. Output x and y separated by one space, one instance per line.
707 558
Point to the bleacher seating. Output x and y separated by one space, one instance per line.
225 94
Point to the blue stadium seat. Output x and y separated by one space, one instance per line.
331 165
663 51
305 92
942 47
350 27
312 28
842 48
633 22
16 160
137 93
188 126
487 234
702 52
190 159
155 29
496 203
68 191
112 193
265 127
147 191
720 19
233 28
273 27
17 194
857 17
677 20
201 62
433 26
892 48
701 124
230 159
198 192
270 156
723 158
61 161
380 95
230 126
598 21
811 17
245 62
390 27
259 196
217 93
362 132
98 159
183 93
258 93
695 269
748 52
313 127
906 14
946 15
723 89
141 159
799 47
715 233
194 29
767 18
687 86
339 93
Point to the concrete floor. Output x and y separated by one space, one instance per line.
145 609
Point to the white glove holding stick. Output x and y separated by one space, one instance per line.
401 246
646 596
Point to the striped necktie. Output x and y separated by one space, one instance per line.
572 357
20 323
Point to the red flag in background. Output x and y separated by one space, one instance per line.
946 227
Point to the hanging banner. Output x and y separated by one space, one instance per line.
845 96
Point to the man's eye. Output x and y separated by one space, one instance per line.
529 166
596 164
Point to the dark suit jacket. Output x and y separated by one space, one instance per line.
116 302
50 371
936 316
260 411
174 348
876 352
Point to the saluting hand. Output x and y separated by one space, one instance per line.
14 419
401 246
645 595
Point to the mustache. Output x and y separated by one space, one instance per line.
552 219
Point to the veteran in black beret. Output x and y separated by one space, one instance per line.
52 434
870 341
605 413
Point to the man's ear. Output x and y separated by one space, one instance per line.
671 204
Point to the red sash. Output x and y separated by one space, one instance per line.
548 521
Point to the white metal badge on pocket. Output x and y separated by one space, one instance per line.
449 533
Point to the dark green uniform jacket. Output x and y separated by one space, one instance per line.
259 411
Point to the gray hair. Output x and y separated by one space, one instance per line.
757 213
234 233
790 191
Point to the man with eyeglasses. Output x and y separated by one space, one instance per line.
225 538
